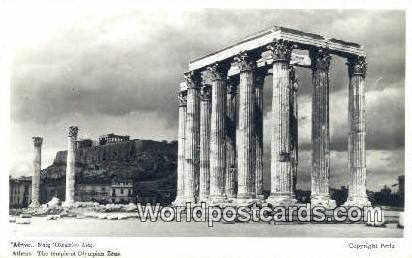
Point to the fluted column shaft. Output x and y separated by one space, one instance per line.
281 172
205 108
217 135
181 148
246 139
71 166
294 126
320 128
231 170
192 133
260 79
356 139
35 185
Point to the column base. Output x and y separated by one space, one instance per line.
68 204
179 201
248 201
322 200
217 200
203 199
260 197
284 200
358 201
34 204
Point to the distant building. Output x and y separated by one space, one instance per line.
93 193
112 138
19 192
122 192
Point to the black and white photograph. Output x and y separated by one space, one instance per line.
128 121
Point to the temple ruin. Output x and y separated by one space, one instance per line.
220 160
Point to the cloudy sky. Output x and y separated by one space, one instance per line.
118 69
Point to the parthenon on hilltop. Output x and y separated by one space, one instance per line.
220 160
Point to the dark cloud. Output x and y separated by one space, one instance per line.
119 71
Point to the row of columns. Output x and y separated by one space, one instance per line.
229 148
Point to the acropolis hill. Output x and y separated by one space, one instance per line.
148 166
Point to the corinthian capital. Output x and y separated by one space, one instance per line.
182 98
281 50
206 92
73 131
192 79
245 62
320 59
357 66
38 141
217 71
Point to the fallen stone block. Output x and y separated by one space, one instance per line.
12 219
112 217
102 216
23 220
53 217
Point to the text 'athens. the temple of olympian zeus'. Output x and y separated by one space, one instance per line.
220 153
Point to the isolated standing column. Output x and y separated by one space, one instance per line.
357 67
205 107
320 59
71 165
35 185
281 170
182 98
192 133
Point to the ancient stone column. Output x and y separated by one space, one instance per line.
192 141
246 138
281 169
259 82
231 170
35 181
181 149
320 59
294 126
205 108
217 74
357 67
71 166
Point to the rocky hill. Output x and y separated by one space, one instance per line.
151 165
